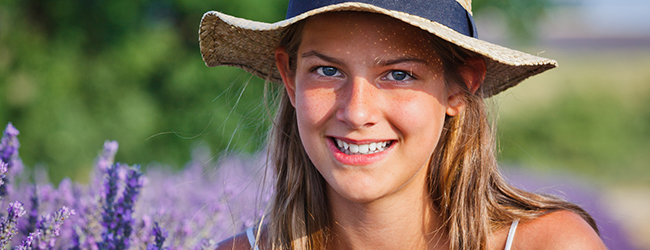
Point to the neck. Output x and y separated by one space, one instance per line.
404 220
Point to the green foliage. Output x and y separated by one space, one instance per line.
591 116
521 16
74 73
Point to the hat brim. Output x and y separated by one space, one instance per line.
250 45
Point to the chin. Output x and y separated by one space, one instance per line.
361 195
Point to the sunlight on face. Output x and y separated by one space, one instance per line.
370 99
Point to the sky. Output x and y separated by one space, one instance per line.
581 22
615 17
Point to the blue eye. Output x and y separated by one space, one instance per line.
399 75
328 71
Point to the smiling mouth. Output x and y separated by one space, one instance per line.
361 149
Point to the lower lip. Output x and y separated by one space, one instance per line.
357 160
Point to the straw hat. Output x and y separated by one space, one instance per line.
250 45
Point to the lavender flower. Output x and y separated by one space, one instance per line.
107 157
9 144
9 153
27 242
118 216
124 206
108 215
207 244
8 226
33 213
160 235
49 228
86 229
3 171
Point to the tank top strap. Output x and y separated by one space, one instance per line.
251 238
511 234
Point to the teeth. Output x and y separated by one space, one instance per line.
354 148
362 149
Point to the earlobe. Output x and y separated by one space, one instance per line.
455 104
288 77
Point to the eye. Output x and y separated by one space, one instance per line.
398 75
328 71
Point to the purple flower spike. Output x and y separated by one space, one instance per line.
118 217
127 202
33 213
8 226
9 153
108 155
160 235
27 242
49 228
3 171
11 130
9 144
108 214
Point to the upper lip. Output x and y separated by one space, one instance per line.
360 142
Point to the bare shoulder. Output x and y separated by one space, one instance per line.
237 242
557 230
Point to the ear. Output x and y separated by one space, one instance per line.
288 77
455 102
473 73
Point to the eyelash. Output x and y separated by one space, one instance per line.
409 75
319 70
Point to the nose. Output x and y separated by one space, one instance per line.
358 104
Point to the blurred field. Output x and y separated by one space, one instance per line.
589 116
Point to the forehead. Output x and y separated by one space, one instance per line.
374 33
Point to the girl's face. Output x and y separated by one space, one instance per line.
371 100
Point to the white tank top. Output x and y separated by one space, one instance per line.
511 235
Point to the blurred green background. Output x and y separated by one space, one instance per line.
74 73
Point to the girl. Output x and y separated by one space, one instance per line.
381 139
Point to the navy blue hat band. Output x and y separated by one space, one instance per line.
446 12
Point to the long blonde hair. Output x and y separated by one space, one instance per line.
464 182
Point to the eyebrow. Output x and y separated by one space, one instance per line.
323 57
313 53
401 60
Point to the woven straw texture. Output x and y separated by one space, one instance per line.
250 45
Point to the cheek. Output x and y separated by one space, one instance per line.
419 112
420 120
313 107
